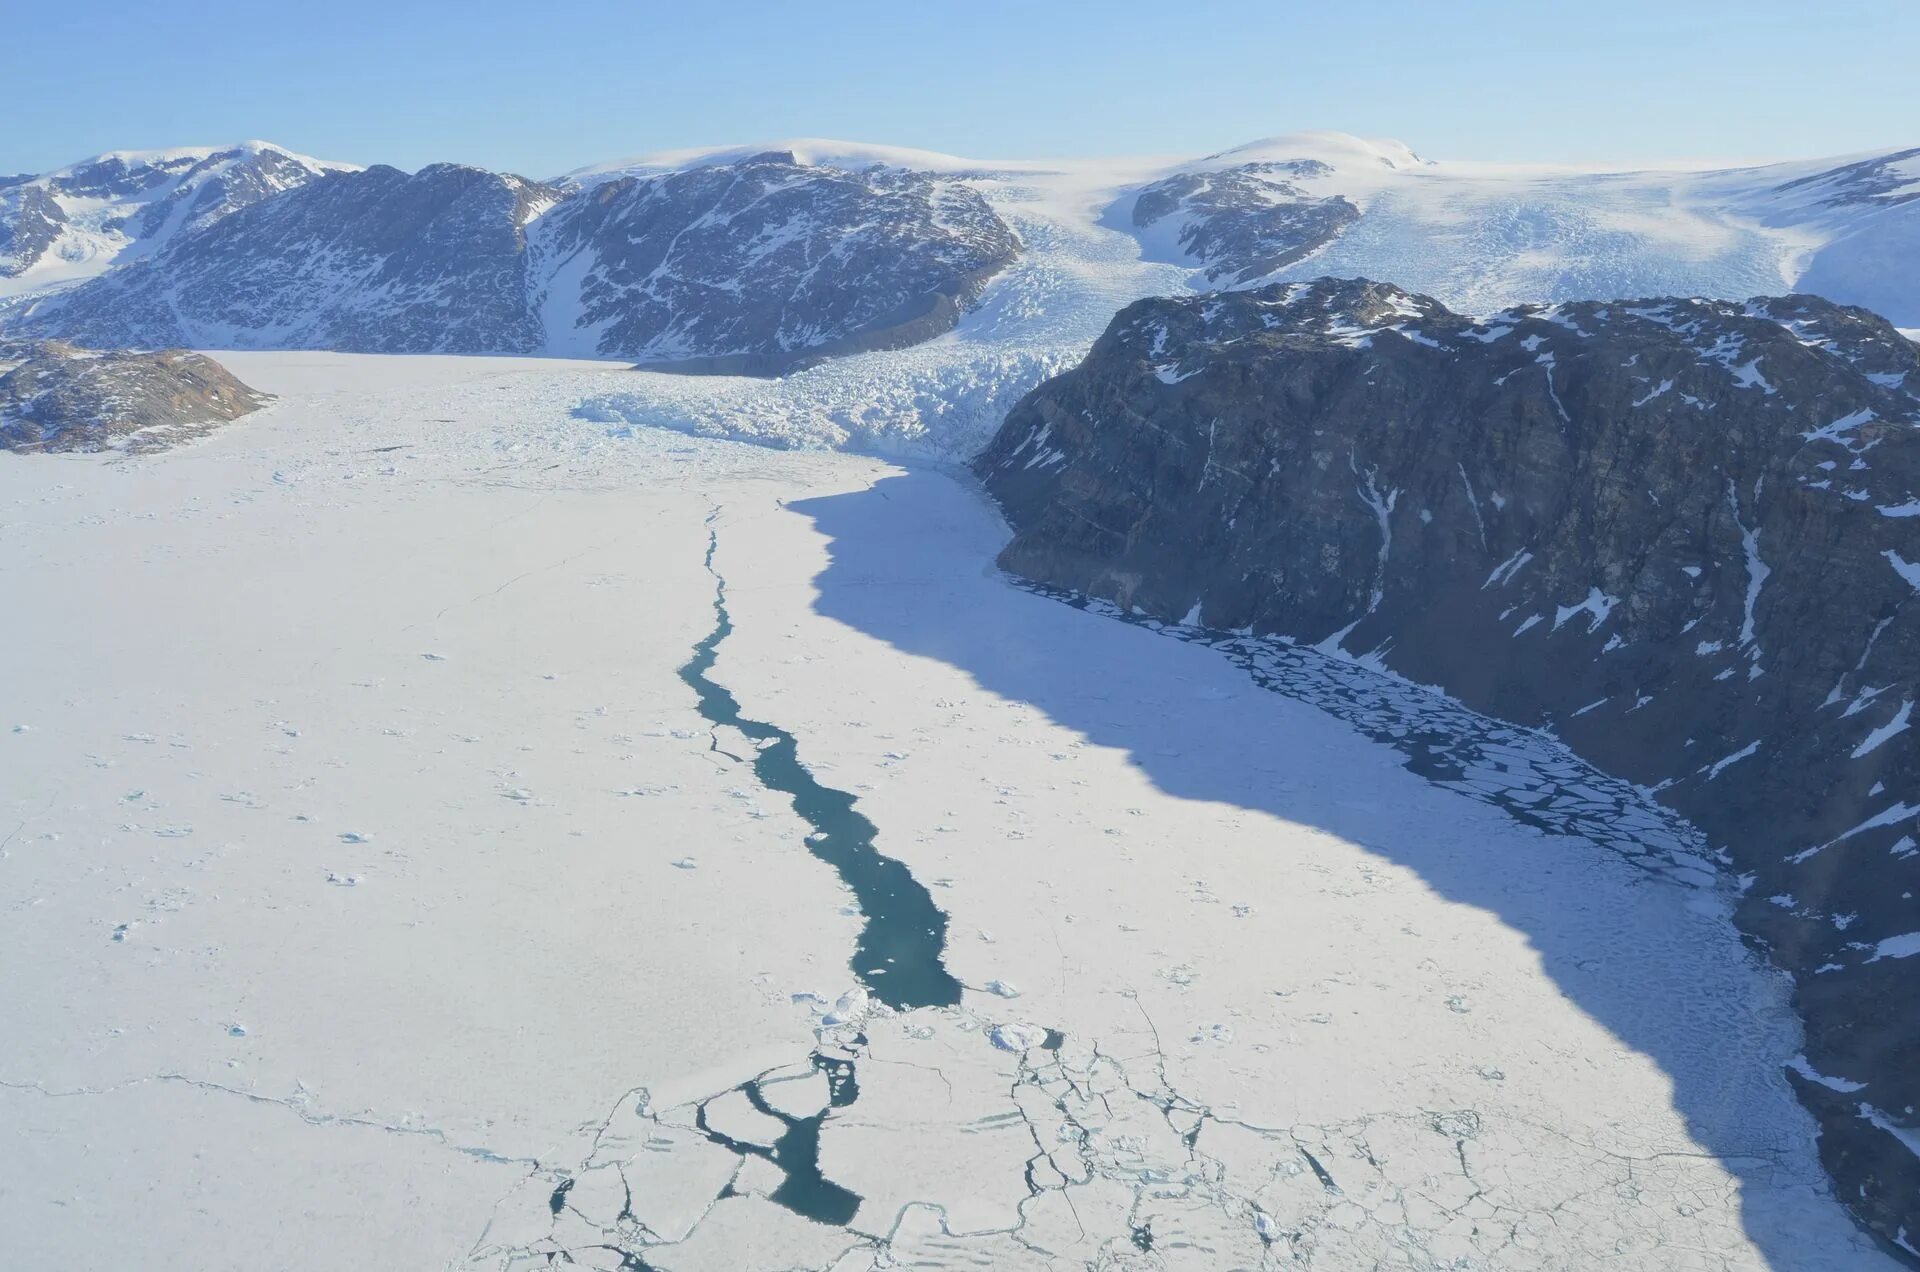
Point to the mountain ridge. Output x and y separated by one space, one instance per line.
1477 236
60 228
756 266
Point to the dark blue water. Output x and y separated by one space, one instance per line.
805 1190
898 956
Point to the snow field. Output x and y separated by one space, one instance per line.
367 849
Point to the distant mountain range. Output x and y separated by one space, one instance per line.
755 265
762 260
64 227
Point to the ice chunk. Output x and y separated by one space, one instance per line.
1013 1037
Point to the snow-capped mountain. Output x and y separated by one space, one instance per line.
754 265
1479 237
375 260
67 226
1680 533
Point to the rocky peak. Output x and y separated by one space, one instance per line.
377 260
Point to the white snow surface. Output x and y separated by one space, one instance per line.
349 922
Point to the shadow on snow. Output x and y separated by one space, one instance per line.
911 565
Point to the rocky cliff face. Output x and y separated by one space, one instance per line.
1683 534
55 397
756 266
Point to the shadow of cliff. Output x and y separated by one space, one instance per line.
911 563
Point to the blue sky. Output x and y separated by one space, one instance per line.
541 88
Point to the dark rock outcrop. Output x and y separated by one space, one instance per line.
1683 534
1880 181
1245 222
756 266
54 397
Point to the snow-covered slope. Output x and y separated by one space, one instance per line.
67 226
1481 236
823 152
944 398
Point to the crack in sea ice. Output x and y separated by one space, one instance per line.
898 956
1118 1166
299 1105
898 961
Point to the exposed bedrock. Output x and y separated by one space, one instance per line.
1248 221
1683 534
55 397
